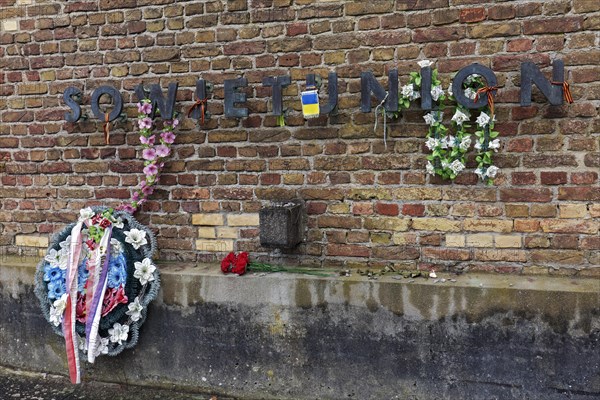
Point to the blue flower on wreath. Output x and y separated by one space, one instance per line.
53 273
82 275
117 274
56 289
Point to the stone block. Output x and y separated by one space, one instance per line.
281 225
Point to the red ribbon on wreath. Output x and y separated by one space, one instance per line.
489 90
235 264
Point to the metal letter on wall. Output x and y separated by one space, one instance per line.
233 96
464 73
531 74
75 115
368 85
277 83
426 88
165 108
332 89
117 101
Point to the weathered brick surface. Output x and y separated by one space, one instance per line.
368 203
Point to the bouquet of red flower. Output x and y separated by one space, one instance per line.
239 264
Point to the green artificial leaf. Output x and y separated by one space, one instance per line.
494 134
418 80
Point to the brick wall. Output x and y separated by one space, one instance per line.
367 205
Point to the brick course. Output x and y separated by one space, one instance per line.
368 203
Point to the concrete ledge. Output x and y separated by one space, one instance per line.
300 337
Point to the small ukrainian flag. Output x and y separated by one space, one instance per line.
310 103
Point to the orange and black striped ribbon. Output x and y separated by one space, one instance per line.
106 127
566 91
202 105
489 90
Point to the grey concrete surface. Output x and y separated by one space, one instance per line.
21 385
285 336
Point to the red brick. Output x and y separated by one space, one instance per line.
391 209
469 15
553 178
415 210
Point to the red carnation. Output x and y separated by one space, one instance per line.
91 244
96 218
235 264
239 266
227 262
105 223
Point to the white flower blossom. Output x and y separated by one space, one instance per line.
415 95
85 214
136 238
66 244
494 144
477 146
430 118
445 164
470 93
483 120
118 223
456 166
432 143
135 310
465 143
102 347
425 63
444 143
118 333
450 141
430 168
459 117
472 78
115 247
436 92
57 309
480 173
407 90
52 257
144 271
449 91
492 171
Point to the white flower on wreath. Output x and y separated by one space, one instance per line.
456 166
425 63
136 238
115 247
118 223
445 142
118 333
102 347
407 90
450 141
57 309
135 310
445 164
492 171
85 214
144 271
449 91
430 118
470 93
494 145
477 146
436 92
432 143
480 172
459 117
430 168
465 143
483 120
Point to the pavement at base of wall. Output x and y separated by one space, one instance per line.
20 385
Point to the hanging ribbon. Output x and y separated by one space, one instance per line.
69 323
101 255
384 119
202 105
566 91
490 97
106 127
